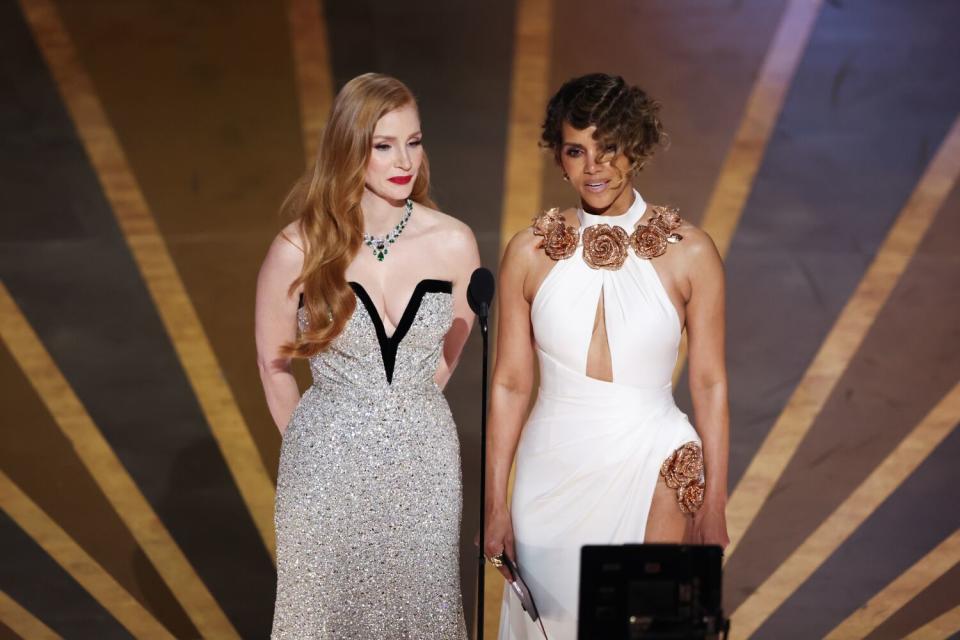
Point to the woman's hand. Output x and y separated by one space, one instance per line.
498 538
710 524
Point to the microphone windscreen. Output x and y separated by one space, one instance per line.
480 291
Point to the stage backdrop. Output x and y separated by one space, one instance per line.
147 145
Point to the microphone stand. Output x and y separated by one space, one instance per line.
480 296
483 316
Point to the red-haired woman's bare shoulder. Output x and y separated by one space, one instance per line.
452 232
287 250
284 260
292 236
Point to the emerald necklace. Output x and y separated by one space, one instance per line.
380 245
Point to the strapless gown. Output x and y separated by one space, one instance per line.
591 451
369 488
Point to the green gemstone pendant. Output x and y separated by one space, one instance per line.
379 245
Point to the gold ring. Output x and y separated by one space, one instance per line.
496 560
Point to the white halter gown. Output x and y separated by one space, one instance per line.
590 454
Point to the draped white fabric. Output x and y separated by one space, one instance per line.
590 453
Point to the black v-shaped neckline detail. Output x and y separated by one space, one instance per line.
390 345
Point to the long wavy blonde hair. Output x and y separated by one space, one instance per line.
326 203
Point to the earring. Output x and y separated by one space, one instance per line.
566 178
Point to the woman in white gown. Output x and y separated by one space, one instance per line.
600 295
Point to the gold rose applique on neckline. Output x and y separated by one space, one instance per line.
605 246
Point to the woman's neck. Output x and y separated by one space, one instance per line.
380 215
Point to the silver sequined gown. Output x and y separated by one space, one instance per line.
369 487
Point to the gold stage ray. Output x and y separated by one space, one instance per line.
840 525
22 622
85 570
905 588
108 472
743 159
156 265
311 58
763 108
844 339
529 91
944 626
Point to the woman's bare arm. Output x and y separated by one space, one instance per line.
276 325
511 387
708 380
464 259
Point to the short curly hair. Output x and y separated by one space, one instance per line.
625 116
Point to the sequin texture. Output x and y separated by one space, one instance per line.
683 471
369 492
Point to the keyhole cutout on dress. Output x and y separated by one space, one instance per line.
599 365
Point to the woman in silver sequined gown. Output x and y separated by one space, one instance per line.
369 486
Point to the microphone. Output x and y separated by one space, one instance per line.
480 294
